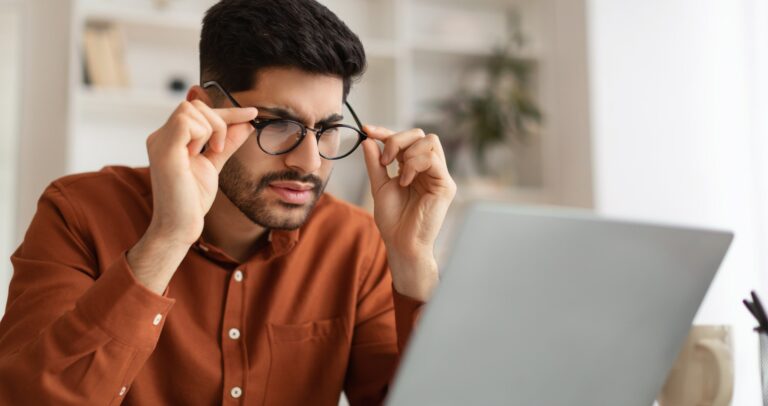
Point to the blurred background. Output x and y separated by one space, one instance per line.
654 110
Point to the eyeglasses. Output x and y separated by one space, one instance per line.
280 136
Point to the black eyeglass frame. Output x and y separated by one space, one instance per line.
261 124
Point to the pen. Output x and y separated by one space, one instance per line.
759 312
750 308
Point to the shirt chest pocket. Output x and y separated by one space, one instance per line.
308 362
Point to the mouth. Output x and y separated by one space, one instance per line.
292 192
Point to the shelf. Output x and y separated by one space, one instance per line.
445 48
501 4
117 101
142 14
450 48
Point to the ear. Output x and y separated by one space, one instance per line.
198 93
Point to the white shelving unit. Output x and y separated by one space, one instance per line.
417 52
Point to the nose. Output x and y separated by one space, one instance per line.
305 158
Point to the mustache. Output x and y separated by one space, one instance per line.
317 183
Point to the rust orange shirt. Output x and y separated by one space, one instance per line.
310 315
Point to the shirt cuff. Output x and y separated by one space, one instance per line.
407 312
124 308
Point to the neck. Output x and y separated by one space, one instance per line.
227 228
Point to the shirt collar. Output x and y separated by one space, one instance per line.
281 242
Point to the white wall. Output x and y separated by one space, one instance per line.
10 26
676 137
757 25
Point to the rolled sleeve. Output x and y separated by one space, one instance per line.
124 308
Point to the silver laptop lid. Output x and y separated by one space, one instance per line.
541 307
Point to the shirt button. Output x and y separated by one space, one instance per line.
234 333
122 391
158 318
236 392
238 276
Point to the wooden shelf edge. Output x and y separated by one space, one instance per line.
121 100
463 50
142 15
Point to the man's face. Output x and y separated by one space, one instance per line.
279 191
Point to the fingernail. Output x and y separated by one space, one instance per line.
371 127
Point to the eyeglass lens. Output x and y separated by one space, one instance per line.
281 136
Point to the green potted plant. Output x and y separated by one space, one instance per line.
500 112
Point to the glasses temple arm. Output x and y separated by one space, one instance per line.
229 96
354 116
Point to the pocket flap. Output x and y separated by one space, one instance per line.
307 331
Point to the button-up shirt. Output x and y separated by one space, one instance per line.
311 314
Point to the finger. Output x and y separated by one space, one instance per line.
377 173
430 164
236 135
397 143
414 166
236 115
216 123
193 113
185 125
377 132
420 147
199 134
438 146
426 145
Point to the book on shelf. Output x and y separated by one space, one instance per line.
104 58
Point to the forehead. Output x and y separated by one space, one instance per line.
310 96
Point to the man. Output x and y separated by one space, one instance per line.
221 274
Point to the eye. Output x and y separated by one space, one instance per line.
330 131
281 126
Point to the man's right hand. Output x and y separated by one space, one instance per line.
185 178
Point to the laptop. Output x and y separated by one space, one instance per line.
543 307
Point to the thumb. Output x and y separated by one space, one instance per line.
237 134
377 172
234 115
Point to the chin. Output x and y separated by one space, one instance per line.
290 216
279 215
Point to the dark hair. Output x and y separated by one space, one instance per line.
241 37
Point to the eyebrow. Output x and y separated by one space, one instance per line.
281 112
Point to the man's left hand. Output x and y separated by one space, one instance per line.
410 208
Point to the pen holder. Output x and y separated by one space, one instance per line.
703 371
764 365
